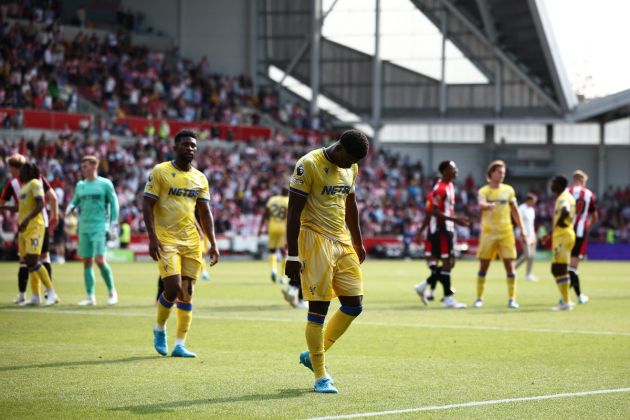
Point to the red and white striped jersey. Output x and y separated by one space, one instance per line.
443 198
585 204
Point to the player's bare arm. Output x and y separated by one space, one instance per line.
562 220
207 225
147 211
51 196
39 206
296 205
463 221
352 221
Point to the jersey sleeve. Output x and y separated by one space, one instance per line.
38 190
204 192
355 167
302 178
112 200
512 196
153 186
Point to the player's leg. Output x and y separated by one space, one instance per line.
318 254
485 253
183 313
192 263
562 245
100 249
160 289
22 283
510 273
44 257
35 285
531 254
431 281
348 285
34 240
169 263
87 252
577 253
448 264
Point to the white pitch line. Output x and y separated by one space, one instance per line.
113 312
474 404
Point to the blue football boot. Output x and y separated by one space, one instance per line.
159 342
325 386
181 351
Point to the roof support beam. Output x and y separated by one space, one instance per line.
502 56
488 21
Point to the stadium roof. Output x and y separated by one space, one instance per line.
604 109
509 42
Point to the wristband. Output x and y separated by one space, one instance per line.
294 258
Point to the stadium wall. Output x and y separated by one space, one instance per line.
218 30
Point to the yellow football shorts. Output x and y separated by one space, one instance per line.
329 268
30 241
561 246
277 238
186 261
496 243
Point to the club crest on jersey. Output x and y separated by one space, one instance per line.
336 189
183 192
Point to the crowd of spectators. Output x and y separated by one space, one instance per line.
391 191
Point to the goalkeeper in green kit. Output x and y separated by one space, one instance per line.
97 204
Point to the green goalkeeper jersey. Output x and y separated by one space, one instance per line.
97 204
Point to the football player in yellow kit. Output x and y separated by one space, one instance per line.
562 239
173 191
498 205
325 245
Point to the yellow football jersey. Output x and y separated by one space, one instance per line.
499 218
564 200
177 193
29 192
326 187
277 206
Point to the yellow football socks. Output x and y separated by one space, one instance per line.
564 286
163 310
339 323
315 343
184 319
511 284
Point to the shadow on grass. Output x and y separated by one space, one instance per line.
174 405
78 363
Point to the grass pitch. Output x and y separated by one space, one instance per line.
98 362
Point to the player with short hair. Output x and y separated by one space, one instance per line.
586 215
498 207
11 193
325 245
528 214
442 229
97 205
174 190
32 230
562 239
